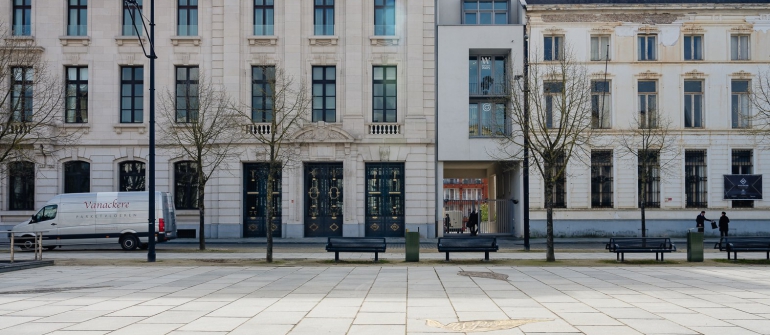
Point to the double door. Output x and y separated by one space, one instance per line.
384 200
323 199
256 201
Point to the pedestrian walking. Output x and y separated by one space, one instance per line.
700 220
473 223
447 223
723 228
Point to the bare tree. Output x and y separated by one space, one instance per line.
280 110
552 111
759 97
655 149
199 121
31 103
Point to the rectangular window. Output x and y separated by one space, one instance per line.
693 47
740 103
263 17
553 47
132 21
559 190
600 104
739 47
693 104
695 182
451 194
487 75
384 94
187 18
262 91
131 94
21 186
324 93
601 179
472 194
323 18
648 102
21 94
743 164
77 94
600 47
486 119
648 178
485 12
186 185
187 94
384 17
77 22
22 17
647 47
554 93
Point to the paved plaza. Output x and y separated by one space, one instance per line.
369 299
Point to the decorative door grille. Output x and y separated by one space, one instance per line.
385 199
255 201
323 199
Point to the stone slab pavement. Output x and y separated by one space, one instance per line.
385 300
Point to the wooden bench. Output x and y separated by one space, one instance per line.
744 244
467 244
622 245
356 244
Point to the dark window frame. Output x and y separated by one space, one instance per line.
601 179
187 9
384 17
478 13
22 18
495 84
326 114
186 185
76 103
743 163
22 87
323 10
21 186
264 12
696 179
187 114
129 23
559 192
651 197
496 125
132 113
385 83
77 177
77 11
262 86
132 176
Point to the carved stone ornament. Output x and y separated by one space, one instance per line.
742 29
692 29
741 75
649 75
649 30
322 132
603 30
694 74
601 75
554 30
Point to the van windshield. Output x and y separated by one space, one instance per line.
46 213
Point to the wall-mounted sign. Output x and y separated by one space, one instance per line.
743 187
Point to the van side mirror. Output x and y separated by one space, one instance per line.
32 219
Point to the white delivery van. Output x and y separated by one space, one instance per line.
102 217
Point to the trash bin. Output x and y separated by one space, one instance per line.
694 246
412 246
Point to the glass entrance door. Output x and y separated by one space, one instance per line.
384 199
255 201
323 199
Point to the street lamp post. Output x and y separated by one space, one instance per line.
525 165
151 158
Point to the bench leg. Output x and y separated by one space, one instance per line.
486 256
447 256
656 256
622 257
768 255
336 256
661 256
735 255
728 255
376 259
617 256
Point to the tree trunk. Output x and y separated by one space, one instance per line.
201 212
549 256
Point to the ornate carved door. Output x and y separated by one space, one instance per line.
385 199
323 199
255 201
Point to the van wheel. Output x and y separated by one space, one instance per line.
129 242
25 244
144 246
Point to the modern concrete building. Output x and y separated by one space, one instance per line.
367 158
695 61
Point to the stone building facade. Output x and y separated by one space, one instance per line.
375 58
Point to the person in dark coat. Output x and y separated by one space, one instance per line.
723 221
473 222
699 221
447 223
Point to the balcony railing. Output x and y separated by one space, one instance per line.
323 30
259 129
187 30
384 129
488 89
22 30
128 30
77 30
264 30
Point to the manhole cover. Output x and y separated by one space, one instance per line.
488 275
482 325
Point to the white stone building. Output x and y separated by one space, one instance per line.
370 64
696 61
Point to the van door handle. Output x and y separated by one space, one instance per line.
53 224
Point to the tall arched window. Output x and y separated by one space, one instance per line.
132 176
21 186
186 185
77 177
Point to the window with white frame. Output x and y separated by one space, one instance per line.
472 194
485 12
648 103
451 194
693 104
553 92
600 47
647 47
693 47
600 104
553 47
739 47
740 103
